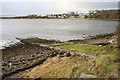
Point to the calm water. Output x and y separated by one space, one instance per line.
54 28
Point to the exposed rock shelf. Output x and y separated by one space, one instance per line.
14 64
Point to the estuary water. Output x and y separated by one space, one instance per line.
58 29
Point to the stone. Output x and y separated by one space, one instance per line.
10 64
4 64
67 54
72 54
84 75
58 56
37 52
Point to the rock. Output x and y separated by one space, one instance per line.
15 63
54 53
10 64
37 52
58 56
84 75
4 64
72 54
50 47
67 54
102 44
77 54
36 78
82 55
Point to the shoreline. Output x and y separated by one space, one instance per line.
31 52
88 37
65 19
96 39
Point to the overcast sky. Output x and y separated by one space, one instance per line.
25 7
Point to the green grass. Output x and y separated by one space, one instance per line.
106 56
89 49
68 67
103 65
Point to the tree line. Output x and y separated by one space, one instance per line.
103 14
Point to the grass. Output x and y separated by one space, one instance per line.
103 65
89 49
106 56
72 67
65 67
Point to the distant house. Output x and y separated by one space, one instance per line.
81 15
51 16
64 16
59 16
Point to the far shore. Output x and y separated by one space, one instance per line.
63 19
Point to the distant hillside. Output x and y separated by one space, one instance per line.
104 14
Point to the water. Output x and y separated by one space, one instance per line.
59 29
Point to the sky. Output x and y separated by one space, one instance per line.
42 7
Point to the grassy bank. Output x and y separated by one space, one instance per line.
106 56
65 67
89 49
104 65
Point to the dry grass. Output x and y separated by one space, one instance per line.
64 67
104 66
70 67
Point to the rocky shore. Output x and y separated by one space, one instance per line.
30 53
102 39
15 60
